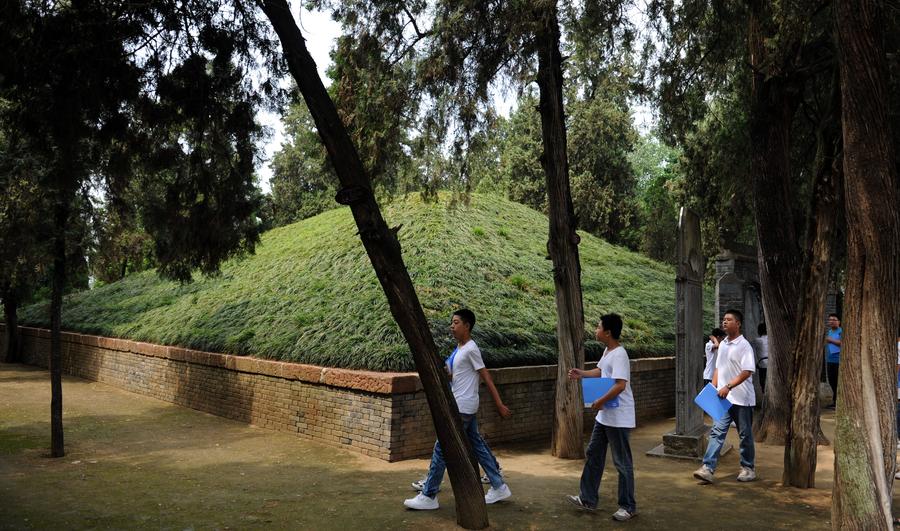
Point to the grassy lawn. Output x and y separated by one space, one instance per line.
309 294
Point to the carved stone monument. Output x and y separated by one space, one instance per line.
688 441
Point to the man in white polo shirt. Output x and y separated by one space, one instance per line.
733 378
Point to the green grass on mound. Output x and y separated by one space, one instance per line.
309 294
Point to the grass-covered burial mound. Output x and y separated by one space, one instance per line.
309 294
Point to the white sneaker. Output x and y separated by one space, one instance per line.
897 475
704 474
747 474
622 514
421 503
419 485
494 495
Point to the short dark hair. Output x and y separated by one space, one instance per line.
736 314
836 316
612 323
467 316
717 332
761 329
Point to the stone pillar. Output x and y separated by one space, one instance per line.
688 441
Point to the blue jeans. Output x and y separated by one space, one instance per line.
601 438
743 418
482 452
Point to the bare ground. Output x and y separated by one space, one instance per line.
137 462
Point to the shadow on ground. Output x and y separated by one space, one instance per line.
136 462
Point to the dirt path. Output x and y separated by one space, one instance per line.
136 462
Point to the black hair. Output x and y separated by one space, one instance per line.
761 329
836 316
612 323
717 332
467 316
736 314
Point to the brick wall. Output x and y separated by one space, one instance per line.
383 415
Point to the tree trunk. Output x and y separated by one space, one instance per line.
61 216
383 250
563 241
771 112
809 343
865 425
10 312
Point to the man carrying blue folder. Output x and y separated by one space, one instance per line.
613 425
733 378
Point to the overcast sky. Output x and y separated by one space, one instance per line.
321 32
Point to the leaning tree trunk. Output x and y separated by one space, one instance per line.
10 313
809 343
865 425
383 250
771 112
563 241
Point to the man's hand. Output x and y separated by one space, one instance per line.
597 405
504 411
723 392
575 374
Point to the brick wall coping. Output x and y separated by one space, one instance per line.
371 381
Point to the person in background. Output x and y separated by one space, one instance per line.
762 354
712 348
833 355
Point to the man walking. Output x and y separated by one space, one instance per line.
733 378
613 425
833 355
465 367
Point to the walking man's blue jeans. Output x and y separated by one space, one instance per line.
743 418
482 452
595 460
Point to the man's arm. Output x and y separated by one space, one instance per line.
489 382
738 380
575 374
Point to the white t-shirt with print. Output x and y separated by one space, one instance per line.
465 378
734 357
710 361
616 365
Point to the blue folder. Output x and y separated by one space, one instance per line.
709 401
594 388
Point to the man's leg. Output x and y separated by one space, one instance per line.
621 454
482 452
833 381
717 440
744 420
435 472
595 460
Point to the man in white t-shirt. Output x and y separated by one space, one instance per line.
613 425
733 378
712 347
466 370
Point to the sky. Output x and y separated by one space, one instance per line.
321 32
